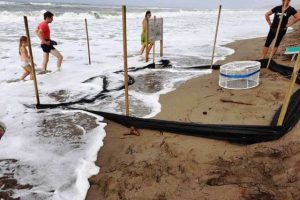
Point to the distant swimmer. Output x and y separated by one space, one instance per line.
25 58
43 32
143 35
277 11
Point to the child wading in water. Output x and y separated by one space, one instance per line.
25 58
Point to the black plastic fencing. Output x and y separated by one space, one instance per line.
233 133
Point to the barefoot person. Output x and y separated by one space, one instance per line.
43 32
25 58
277 11
143 35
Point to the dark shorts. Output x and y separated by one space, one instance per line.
272 34
47 48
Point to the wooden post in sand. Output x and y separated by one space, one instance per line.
147 40
32 62
216 36
88 40
125 59
276 36
162 38
289 92
154 40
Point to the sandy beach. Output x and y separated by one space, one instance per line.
161 165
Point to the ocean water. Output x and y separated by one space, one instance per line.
52 152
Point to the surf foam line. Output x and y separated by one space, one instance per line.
105 92
246 134
100 95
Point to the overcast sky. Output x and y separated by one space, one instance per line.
181 3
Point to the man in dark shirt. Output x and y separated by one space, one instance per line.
277 11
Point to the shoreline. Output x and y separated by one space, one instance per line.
159 165
250 45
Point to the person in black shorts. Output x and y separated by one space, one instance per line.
277 11
47 48
43 32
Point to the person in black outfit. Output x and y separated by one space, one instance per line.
277 11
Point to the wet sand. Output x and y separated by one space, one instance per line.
161 165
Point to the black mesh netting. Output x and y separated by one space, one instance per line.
233 133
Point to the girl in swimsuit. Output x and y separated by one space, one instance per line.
143 35
25 58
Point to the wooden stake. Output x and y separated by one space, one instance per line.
216 36
276 36
162 40
289 92
32 62
125 59
154 40
147 40
88 40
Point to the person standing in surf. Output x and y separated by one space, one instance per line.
143 35
25 58
277 11
43 32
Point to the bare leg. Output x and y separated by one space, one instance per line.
29 70
45 61
59 57
150 46
26 72
24 75
142 49
265 52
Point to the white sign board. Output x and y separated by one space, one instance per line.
157 29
